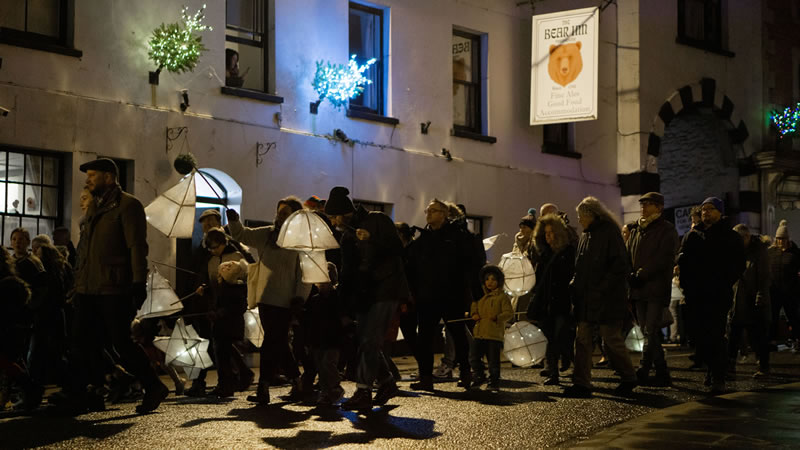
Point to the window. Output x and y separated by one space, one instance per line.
466 82
31 187
246 45
558 139
701 23
38 24
366 42
475 225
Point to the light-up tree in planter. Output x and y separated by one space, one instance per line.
177 46
786 121
339 83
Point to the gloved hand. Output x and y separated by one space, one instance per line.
232 215
139 294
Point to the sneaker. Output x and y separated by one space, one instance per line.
551 381
625 388
152 398
577 391
386 392
331 397
443 371
361 400
761 374
424 384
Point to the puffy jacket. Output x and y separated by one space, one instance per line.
494 308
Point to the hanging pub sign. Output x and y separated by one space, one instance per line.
564 66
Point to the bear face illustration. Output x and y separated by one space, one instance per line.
565 63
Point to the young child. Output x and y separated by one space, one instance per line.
490 314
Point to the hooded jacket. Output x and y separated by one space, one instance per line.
494 308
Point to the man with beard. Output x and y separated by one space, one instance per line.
284 288
110 286
711 260
371 285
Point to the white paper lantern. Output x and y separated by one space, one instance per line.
253 330
172 212
524 344
161 299
519 274
488 243
635 339
306 231
185 348
314 267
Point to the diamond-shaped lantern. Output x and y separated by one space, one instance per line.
172 212
185 348
635 339
524 344
519 274
253 330
161 299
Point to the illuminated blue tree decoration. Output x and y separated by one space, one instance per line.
339 83
786 121
177 46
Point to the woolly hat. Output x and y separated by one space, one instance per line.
339 203
529 220
783 230
312 202
717 203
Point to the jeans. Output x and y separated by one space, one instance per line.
372 326
491 349
649 313
615 352
674 329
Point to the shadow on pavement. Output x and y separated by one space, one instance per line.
26 431
271 416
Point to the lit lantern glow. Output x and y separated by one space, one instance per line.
172 212
161 299
314 267
185 348
519 274
339 83
304 230
525 344
253 330
635 339
177 46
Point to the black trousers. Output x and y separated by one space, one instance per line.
228 332
429 316
104 321
759 340
275 351
710 322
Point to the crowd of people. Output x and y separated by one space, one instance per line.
68 313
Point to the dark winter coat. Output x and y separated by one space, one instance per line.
15 319
322 321
784 267
551 294
440 268
753 286
652 250
372 270
711 261
115 253
599 287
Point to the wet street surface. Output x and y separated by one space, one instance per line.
525 414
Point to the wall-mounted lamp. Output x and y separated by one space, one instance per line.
446 154
185 102
423 127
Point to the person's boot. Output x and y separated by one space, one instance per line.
466 379
198 389
296 394
386 392
425 383
361 400
662 377
261 396
643 375
153 396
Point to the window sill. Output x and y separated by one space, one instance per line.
703 46
43 46
255 95
474 136
549 150
356 114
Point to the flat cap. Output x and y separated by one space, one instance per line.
654 197
101 164
209 213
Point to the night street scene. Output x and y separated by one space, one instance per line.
456 224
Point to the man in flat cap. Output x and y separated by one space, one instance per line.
652 247
110 286
711 260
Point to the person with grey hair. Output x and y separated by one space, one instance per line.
751 303
599 297
652 246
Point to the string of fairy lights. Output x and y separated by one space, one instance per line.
177 46
786 121
339 83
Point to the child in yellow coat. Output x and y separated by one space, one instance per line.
490 314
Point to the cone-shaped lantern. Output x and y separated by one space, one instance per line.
304 230
519 274
172 212
161 299
253 330
489 242
314 267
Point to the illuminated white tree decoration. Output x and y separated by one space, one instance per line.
161 299
177 46
172 212
635 339
524 344
253 330
185 348
340 83
518 272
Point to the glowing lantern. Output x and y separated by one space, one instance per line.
161 299
519 274
185 348
304 230
172 212
489 242
635 339
314 267
524 344
253 330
